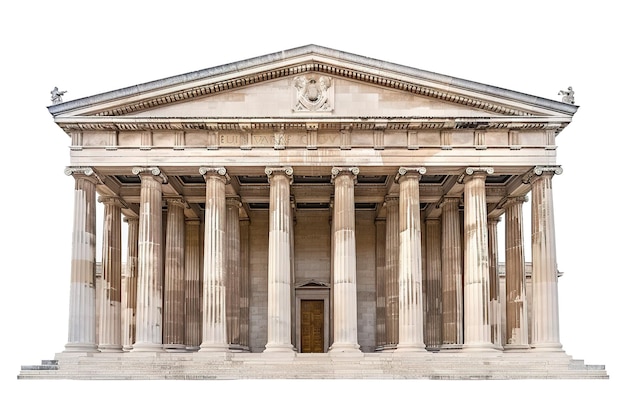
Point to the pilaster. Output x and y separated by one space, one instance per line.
233 277
495 307
452 274
244 289
516 302
381 298
392 242
174 313
129 285
433 328
110 328
193 320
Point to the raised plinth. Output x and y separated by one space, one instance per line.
385 365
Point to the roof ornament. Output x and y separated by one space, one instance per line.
57 96
568 95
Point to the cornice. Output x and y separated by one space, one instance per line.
88 123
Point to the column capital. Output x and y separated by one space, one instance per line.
405 172
287 171
538 171
509 201
130 219
336 171
178 201
448 200
394 199
154 171
478 171
217 172
494 219
233 201
84 172
109 199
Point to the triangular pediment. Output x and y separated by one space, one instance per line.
314 83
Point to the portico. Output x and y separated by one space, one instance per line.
318 203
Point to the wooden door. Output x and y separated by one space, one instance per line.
312 326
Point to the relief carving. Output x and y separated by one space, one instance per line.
312 93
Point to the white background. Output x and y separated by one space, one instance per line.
86 48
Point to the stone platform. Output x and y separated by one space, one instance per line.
384 365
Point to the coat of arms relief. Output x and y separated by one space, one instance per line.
313 93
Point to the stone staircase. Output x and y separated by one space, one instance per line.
165 365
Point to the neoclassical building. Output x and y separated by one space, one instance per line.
313 213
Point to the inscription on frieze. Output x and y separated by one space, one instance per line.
228 140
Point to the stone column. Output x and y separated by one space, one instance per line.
495 309
214 276
410 301
110 337
452 273
345 338
279 262
381 298
476 298
392 242
433 327
516 306
149 321
129 285
193 335
82 314
244 289
233 253
545 305
174 320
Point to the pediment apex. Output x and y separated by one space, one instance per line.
306 59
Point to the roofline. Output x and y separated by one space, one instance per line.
553 105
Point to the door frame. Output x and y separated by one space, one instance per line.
313 290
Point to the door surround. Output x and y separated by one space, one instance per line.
313 290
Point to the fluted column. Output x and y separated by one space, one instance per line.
392 242
476 296
174 314
516 305
381 298
279 262
110 329
214 276
452 274
495 308
244 289
433 327
345 338
233 253
129 285
82 314
545 305
149 321
410 300
193 335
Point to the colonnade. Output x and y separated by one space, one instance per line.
458 310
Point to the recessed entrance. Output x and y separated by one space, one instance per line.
312 326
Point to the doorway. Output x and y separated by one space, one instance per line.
312 326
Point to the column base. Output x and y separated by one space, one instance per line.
286 348
213 347
480 347
81 347
110 348
547 347
147 347
516 348
174 347
192 348
411 348
345 349
448 347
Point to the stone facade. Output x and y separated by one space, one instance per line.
313 213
